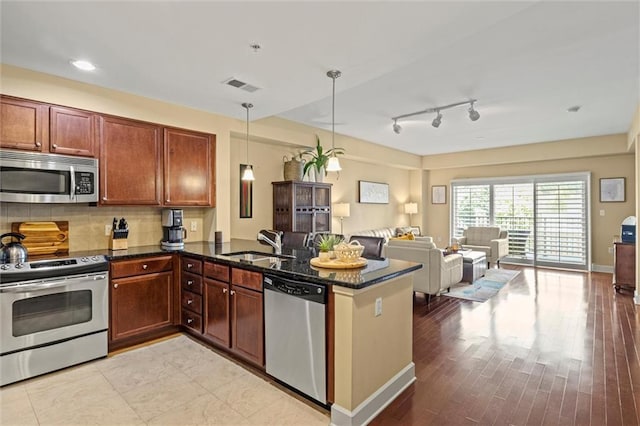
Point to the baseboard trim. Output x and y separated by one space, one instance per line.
378 401
602 268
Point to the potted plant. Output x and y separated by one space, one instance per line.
319 159
326 243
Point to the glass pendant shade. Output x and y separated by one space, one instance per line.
248 173
333 165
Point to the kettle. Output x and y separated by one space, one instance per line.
14 252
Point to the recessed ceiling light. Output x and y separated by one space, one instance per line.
83 65
574 108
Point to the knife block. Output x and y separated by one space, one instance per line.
118 243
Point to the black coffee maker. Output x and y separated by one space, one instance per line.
173 233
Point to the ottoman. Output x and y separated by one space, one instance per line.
474 265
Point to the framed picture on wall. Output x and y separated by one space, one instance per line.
612 190
439 194
373 192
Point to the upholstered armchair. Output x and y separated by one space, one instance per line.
438 272
488 239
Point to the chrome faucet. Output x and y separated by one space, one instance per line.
276 243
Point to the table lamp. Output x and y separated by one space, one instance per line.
341 210
411 209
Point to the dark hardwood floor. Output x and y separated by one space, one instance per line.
552 347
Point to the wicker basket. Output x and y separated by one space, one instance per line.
348 252
293 169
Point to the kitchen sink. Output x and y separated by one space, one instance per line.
256 256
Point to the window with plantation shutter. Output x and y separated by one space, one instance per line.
546 216
561 223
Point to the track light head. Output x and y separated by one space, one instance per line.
437 121
396 127
473 114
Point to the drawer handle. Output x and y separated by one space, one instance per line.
145 266
233 292
189 266
189 302
54 146
189 282
115 286
224 290
38 144
189 320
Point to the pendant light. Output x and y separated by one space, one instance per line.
333 165
248 170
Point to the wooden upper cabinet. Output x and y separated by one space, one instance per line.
24 124
188 168
130 162
73 132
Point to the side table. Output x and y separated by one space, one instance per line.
474 265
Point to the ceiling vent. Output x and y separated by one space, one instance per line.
241 85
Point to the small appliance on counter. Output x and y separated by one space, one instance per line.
173 233
628 231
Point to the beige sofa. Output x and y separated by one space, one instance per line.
438 272
386 233
488 239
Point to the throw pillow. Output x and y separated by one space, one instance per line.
407 236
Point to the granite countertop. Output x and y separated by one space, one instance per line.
297 268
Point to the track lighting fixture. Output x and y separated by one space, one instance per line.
437 121
396 127
473 114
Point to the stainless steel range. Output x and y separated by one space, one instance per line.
53 314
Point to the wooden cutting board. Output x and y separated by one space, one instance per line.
44 238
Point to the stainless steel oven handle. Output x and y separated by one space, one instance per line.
50 284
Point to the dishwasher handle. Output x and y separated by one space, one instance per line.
302 290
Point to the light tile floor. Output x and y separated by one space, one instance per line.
173 382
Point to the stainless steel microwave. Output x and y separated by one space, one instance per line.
27 177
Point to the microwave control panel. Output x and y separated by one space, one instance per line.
84 183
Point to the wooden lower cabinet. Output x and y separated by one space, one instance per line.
625 265
216 311
247 324
142 305
233 312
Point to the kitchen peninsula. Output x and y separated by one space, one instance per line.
369 318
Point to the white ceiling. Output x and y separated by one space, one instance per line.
525 62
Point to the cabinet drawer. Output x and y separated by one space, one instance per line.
192 301
147 265
191 320
216 271
247 279
191 282
192 265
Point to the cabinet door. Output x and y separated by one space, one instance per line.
140 304
72 132
24 124
130 162
247 324
216 311
188 168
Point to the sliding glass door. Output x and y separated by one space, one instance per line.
546 216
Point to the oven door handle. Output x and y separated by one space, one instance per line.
48 285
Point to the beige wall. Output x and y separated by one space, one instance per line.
370 350
603 228
271 138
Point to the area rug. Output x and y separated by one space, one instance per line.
484 288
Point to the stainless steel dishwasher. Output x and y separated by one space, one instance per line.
295 335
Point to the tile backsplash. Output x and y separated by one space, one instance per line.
87 224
